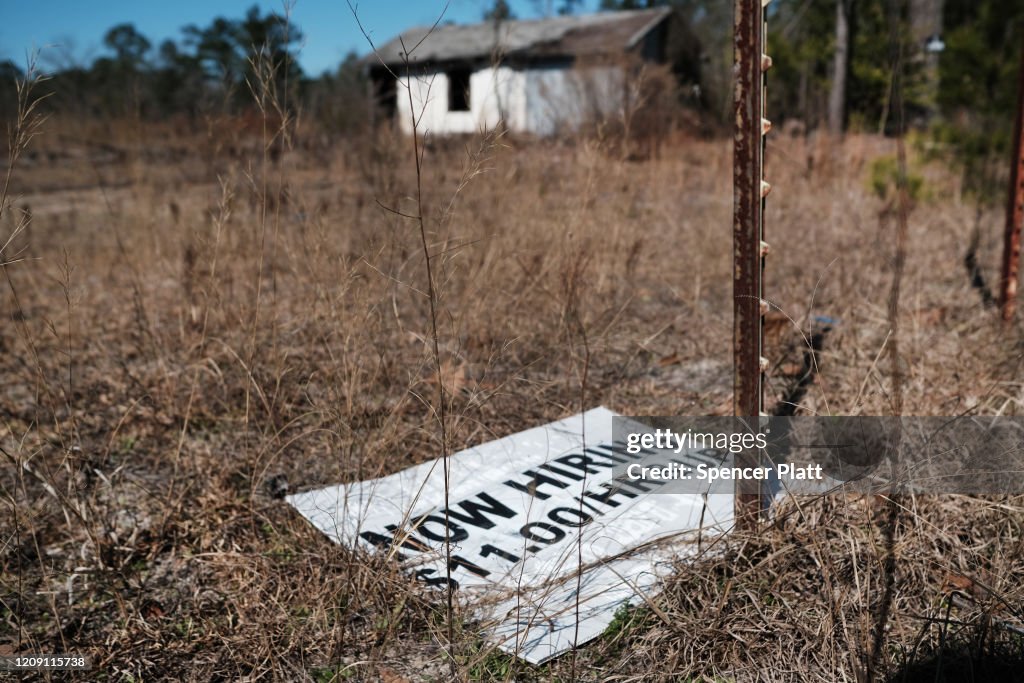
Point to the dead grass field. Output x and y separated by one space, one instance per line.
191 325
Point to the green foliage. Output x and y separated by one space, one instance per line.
626 621
978 92
499 11
227 51
884 178
624 618
177 81
129 46
10 75
979 145
872 63
339 101
214 66
495 665
978 68
330 674
801 41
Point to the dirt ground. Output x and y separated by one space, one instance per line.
192 325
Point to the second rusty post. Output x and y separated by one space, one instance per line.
749 247
1010 275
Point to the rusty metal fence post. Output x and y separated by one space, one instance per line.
1008 283
749 247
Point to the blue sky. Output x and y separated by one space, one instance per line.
71 31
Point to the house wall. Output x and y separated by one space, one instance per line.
562 98
494 94
542 100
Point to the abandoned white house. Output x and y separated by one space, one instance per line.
540 76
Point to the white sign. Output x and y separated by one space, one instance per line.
535 519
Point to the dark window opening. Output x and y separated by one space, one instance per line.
458 90
386 96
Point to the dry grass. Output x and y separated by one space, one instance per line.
195 327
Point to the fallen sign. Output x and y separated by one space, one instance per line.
545 544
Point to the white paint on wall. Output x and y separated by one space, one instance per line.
539 100
494 94
563 99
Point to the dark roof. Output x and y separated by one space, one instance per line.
569 36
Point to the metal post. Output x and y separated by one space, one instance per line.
749 247
1014 211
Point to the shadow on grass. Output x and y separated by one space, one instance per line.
960 666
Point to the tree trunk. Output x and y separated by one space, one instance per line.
840 68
